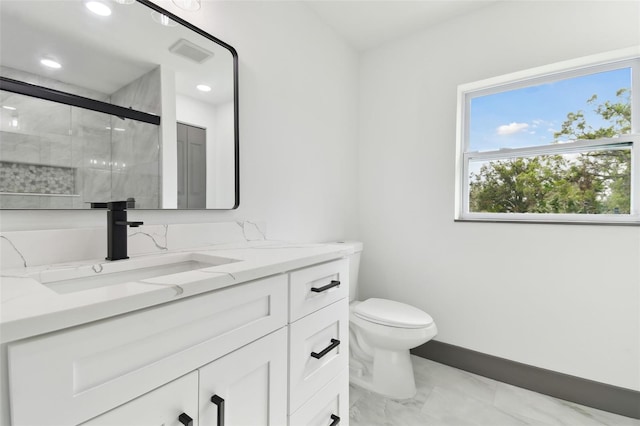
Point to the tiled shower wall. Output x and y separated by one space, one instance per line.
53 135
135 148
47 136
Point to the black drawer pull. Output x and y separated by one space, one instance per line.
335 419
220 403
185 419
334 344
334 283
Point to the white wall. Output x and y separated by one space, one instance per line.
298 126
561 297
169 143
223 168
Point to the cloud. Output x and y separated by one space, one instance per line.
511 128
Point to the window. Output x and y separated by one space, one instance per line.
556 143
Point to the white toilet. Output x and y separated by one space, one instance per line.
381 332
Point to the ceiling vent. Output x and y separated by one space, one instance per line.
191 51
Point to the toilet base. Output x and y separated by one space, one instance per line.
390 374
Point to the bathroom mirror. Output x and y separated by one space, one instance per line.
109 100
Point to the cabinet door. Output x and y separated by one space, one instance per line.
170 405
248 387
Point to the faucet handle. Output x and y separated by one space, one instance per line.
117 205
125 223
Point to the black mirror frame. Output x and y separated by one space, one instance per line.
53 95
236 96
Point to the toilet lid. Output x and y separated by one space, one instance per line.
394 314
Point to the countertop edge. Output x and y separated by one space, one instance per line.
36 325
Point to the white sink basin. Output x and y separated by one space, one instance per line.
86 277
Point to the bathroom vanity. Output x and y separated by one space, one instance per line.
253 334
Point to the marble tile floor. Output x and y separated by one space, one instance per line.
451 397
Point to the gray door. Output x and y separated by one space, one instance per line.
192 167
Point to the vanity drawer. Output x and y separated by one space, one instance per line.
315 355
73 375
330 405
308 290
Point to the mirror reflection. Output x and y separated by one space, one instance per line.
54 154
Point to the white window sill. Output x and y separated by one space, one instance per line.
561 219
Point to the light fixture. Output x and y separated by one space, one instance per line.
163 19
50 63
10 108
203 88
190 5
98 7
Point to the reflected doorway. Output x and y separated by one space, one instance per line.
192 167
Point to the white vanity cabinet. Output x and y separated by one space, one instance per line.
75 374
319 345
245 387
272 351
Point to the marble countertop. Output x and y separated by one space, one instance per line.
29 308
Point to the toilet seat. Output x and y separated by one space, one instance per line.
392 314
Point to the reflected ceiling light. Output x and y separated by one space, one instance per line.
203 88
98 8
50 63
163 19
10 108
190 5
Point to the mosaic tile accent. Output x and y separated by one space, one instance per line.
36 178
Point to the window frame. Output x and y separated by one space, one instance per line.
624 58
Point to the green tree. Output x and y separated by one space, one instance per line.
606 174
591 182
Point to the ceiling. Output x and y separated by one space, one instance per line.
365 24
105 54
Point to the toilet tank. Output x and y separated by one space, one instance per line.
354 266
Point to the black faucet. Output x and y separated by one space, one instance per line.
117 230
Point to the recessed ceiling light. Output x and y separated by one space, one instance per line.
203 88
98 8
10 108
190 5
50 63
163 19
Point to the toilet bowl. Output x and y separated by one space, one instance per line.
381 333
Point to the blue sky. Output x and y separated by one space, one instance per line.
529 116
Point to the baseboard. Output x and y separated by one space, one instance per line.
602 396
